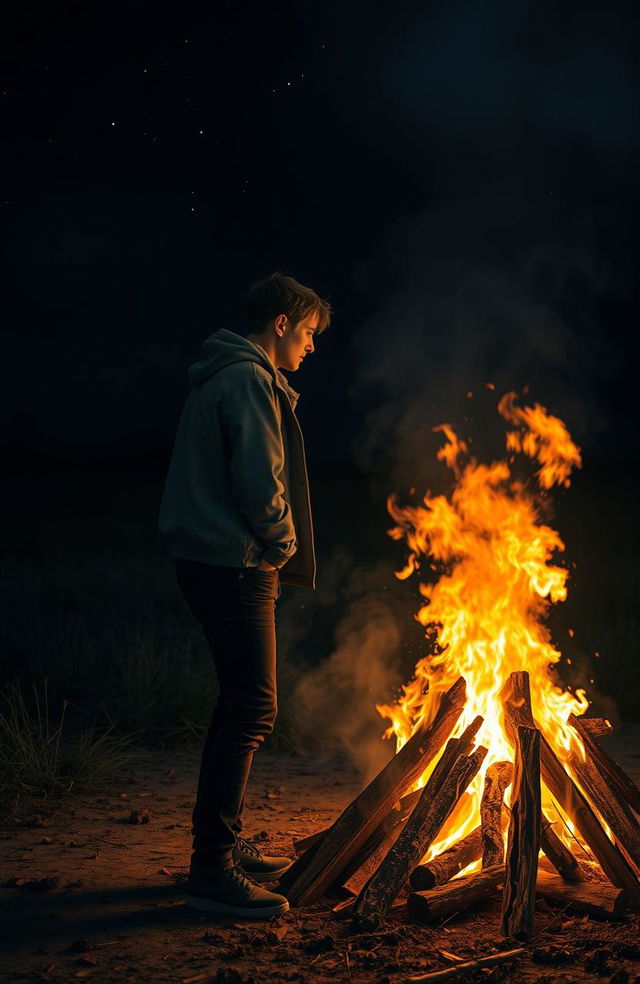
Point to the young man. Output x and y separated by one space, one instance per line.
237 517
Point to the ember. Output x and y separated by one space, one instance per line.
501 761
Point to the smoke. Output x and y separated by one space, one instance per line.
331 705
498 258
335 702
466 313
460 317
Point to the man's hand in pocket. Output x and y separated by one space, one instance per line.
264 566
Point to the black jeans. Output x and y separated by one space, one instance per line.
236 607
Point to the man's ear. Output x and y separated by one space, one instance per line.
280 323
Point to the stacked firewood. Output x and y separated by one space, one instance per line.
375 849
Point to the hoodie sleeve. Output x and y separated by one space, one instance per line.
252 419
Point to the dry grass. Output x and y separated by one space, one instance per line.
40 756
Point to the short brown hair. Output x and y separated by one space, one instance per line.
279 294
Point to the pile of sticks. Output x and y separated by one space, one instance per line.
377 846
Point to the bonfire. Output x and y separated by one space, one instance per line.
499 782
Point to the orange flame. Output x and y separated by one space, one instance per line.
485 614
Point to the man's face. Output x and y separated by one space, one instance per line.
296 342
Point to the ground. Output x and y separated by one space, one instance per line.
92 888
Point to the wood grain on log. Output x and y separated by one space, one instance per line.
300 865
362 866
523 845
615 776
451 862
456 896
359 878
614 812
497 777
564 790
596 727
352 828
586 898
589 898
559 854
422 827
400 810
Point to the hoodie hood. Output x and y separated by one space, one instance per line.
225 348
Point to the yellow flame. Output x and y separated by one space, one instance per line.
485 614
544 437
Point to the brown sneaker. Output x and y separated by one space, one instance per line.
260 867
229 891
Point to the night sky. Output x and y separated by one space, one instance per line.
461 179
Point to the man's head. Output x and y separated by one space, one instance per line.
284 316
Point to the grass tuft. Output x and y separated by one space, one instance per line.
41 756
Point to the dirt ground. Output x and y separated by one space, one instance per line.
91 892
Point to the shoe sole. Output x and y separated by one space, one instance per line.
243 912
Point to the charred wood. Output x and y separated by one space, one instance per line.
564 790
498 776
595 899
438 799
559 854
616 778
399 811
368 858
523 846
359 878
451 862
587 898
595 727
456 896
615 813
361 818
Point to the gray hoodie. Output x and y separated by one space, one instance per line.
237 489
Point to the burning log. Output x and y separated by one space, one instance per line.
519 897
308 879
565 791
467 967
594 727
498 776
485 841
451 862
588 898
576 806
616 778
400 811
559 855
359 878
362 866
455 896
450 778
594 899
614 812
